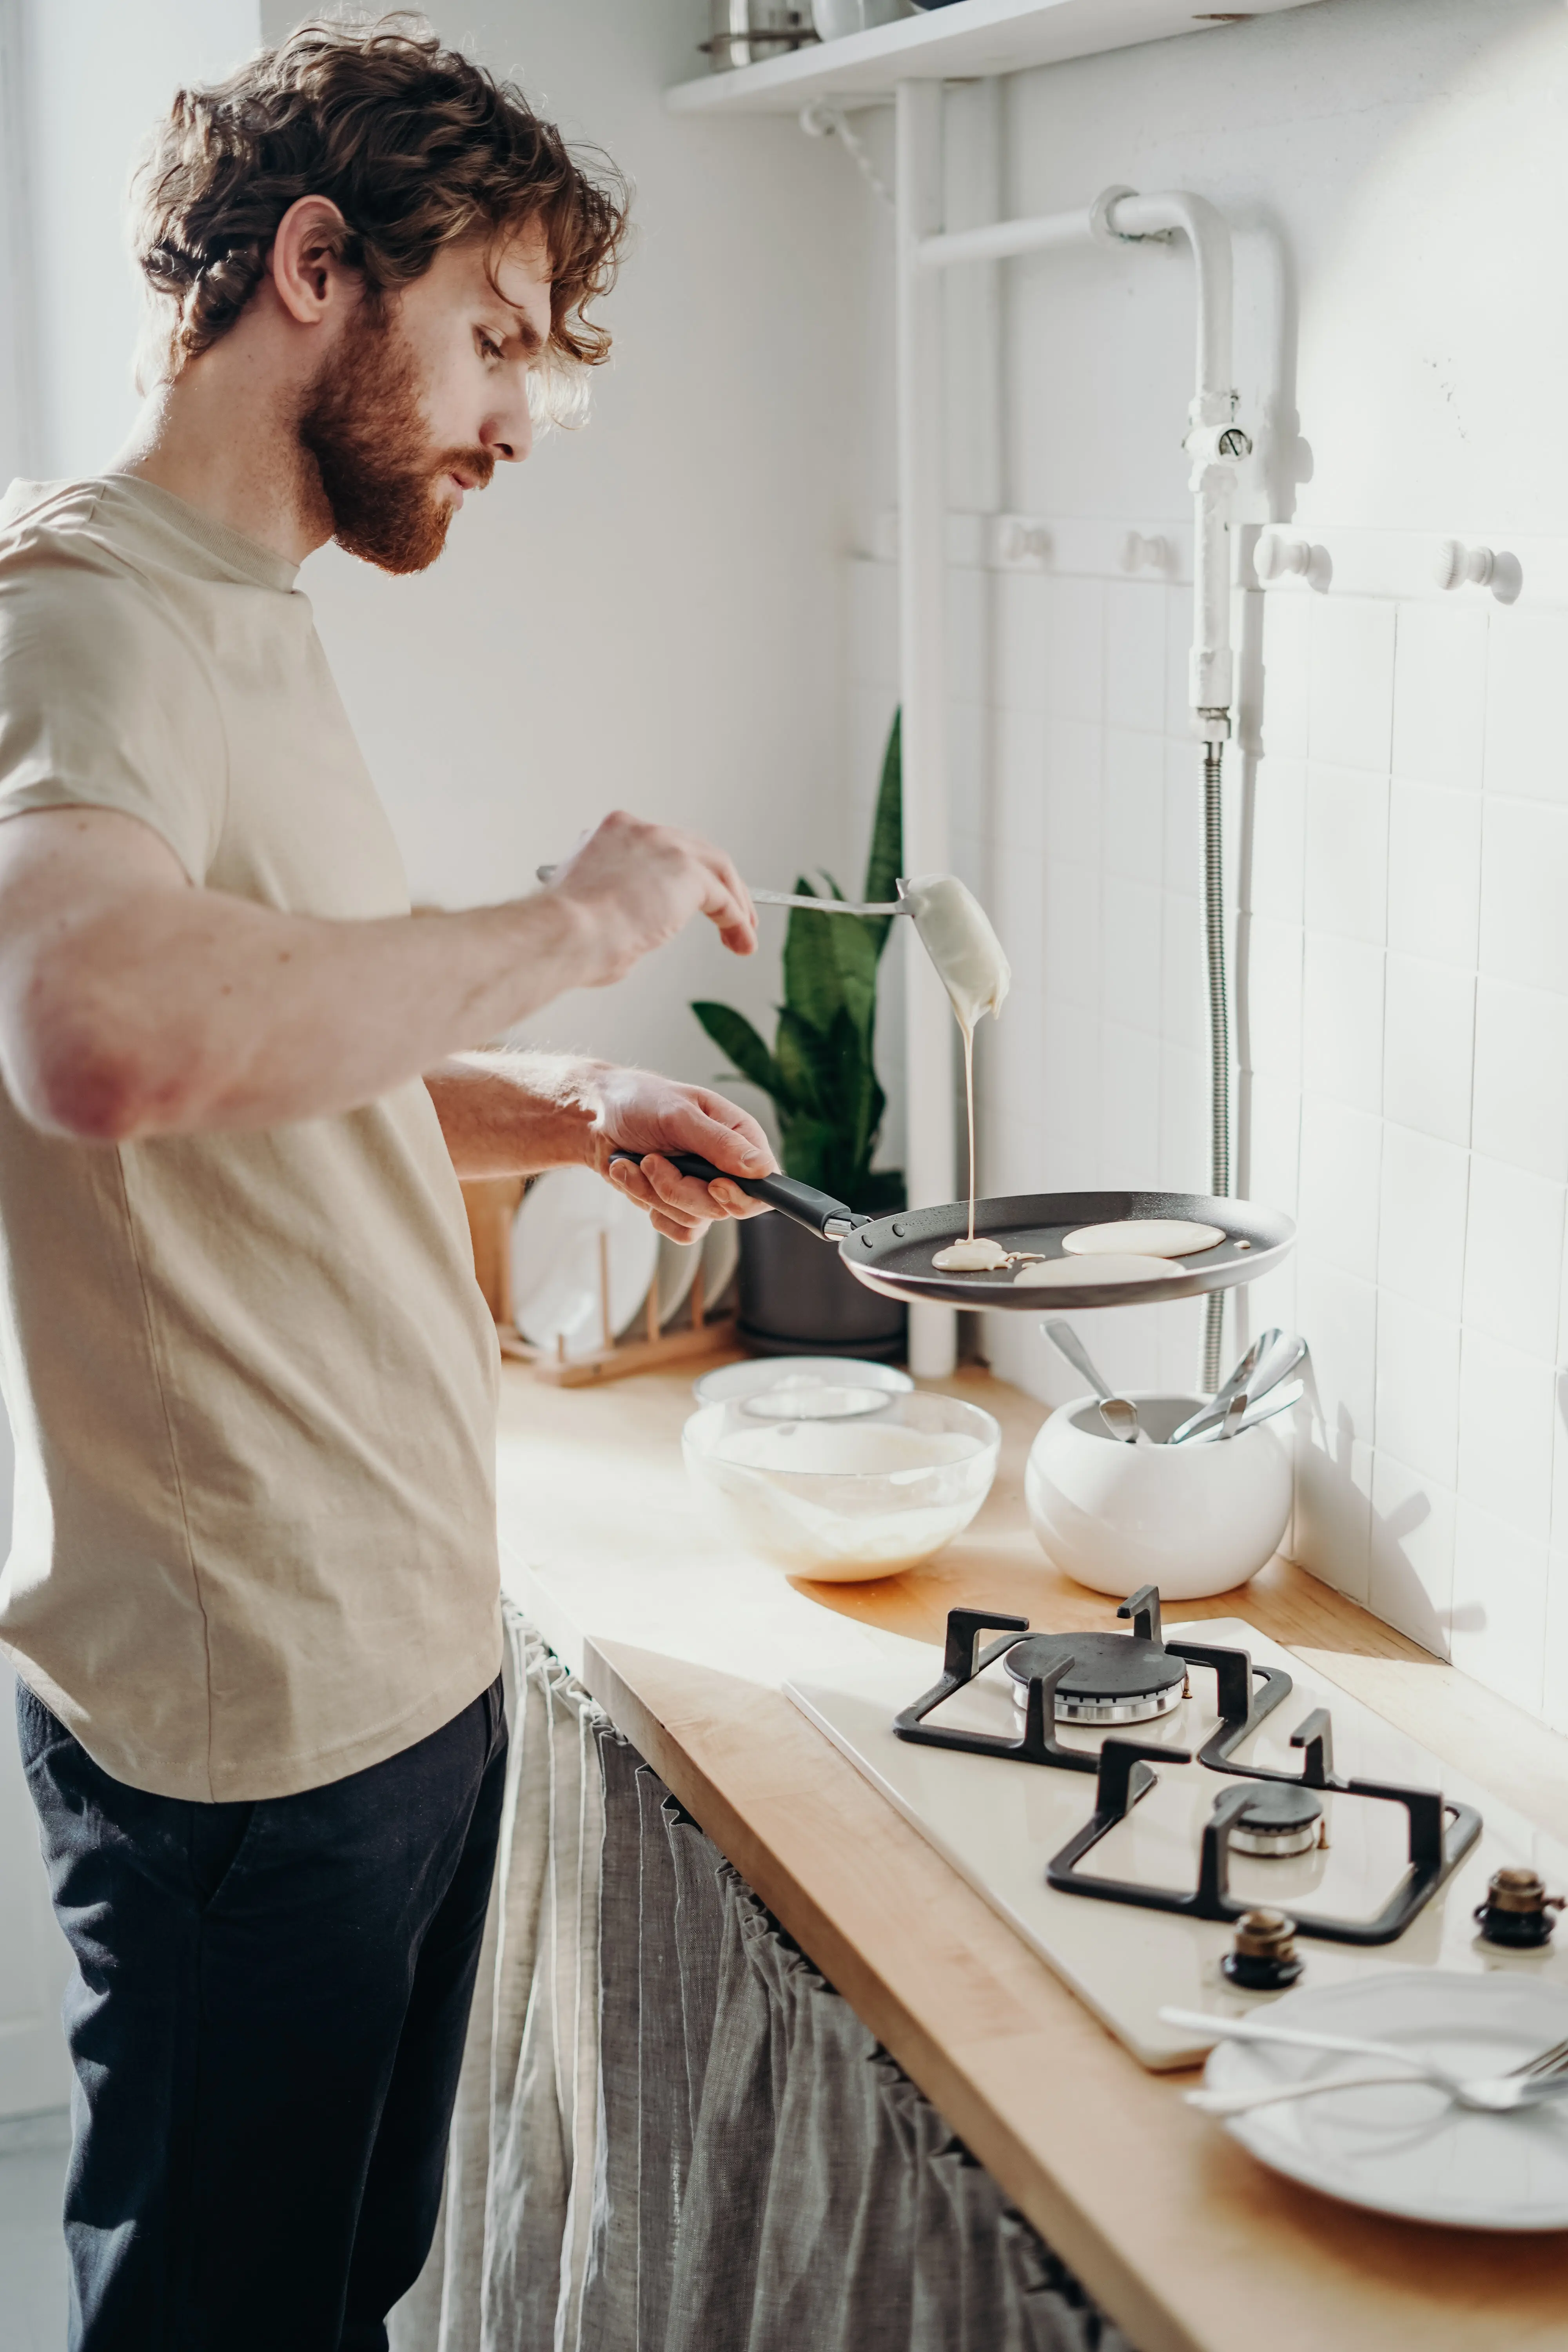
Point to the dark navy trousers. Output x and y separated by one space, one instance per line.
267 2020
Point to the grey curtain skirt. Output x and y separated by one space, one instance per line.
671 2134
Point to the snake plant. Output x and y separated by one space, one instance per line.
820 1074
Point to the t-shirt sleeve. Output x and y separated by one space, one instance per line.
105 704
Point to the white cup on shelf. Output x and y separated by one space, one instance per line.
1194 1520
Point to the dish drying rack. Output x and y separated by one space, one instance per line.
492 1202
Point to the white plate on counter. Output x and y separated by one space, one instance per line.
559 1265
1408 2149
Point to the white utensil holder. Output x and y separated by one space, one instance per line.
1194 1520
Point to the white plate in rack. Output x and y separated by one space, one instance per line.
556 1261
1409 2150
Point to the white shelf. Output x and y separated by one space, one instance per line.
970 38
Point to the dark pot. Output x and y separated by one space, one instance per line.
798 1298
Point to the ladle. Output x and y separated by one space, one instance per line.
791 898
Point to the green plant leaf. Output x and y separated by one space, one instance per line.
733 1034
881 1191
812 985
886 862
855 954
811 1152
797 1058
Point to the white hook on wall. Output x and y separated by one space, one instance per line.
1282 555
1455 565
1140 554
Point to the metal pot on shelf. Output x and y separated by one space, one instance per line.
796 1296
749 32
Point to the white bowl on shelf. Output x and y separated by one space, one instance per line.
845 1500
1194 1519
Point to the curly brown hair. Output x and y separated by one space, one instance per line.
417 147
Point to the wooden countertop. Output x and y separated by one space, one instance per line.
1187 2242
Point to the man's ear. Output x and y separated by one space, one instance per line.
306 261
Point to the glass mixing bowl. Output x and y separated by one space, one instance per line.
850 1498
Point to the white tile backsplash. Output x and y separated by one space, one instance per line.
1275 882
1526 748
1018 778
1412 1552
1074 648
1418 1387
1134 805
1073 813
1270 1037
1421 1227
1341 1020
1341 1151
1440 693
1428 1034
1397 841
1347 852
1435 872
1130 937
1513 1256
1520 1110
1286 624
1339 1318
1499 1598
1350 697
1507 1434
1525 891
1135 656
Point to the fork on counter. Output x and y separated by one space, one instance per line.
1528 2084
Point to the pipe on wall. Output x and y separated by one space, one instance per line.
1216 444
930 1157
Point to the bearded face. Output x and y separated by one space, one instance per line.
364 424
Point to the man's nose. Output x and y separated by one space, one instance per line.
510 438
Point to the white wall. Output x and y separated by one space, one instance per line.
96 75
1398 806
650 613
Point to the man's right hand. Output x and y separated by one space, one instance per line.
636 885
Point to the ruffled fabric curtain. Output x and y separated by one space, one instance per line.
672 2134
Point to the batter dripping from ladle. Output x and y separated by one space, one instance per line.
956 933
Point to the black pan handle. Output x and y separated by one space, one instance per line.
803 1204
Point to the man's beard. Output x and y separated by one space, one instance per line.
363 425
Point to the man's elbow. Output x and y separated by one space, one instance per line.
70 1078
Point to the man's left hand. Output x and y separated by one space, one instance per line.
638 1111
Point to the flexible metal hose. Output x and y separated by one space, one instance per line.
1219 1036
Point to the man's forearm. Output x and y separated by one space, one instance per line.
506 1114
172 1009
133 1004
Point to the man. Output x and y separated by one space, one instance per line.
253 1597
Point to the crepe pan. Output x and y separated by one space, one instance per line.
893 1254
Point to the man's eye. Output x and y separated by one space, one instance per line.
489 347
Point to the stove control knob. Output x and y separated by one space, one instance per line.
1264 1958
1517 1911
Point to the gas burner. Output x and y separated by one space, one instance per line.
1096 1679
1439 1834
1279 1818
1111 1677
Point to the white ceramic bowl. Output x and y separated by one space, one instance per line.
759 1372
845 1500
1194 1520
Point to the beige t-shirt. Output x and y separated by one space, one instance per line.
251 1377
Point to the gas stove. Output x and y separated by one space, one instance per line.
1273 1828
